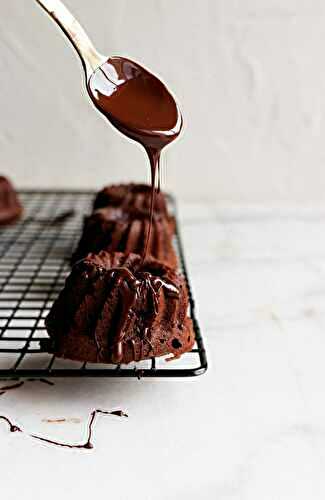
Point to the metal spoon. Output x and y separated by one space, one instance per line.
134 100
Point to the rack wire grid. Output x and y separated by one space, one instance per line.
34 262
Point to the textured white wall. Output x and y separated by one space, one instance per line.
250 75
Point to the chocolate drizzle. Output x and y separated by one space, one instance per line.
139 105
12 427
132 288
87 445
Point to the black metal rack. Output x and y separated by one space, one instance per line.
34 261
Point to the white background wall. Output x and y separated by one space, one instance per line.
250 75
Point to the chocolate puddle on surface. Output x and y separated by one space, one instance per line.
88 445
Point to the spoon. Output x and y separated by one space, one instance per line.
134 100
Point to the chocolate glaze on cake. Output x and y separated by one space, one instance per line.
126 230
116 308
10 207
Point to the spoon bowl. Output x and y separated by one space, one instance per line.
136 102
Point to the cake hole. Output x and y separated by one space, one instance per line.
162 341
176 344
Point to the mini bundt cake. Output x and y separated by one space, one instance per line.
130 196
115 230
115 308
10 207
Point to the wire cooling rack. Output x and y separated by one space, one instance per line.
34 262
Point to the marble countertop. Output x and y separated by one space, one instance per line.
251 428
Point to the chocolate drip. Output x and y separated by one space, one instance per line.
131 289
12 427
140 106
87 445
154 158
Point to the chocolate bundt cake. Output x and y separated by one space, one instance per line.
115 308
10 207
114 229
130 196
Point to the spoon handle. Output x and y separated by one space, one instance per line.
90 58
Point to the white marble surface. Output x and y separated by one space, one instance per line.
252 428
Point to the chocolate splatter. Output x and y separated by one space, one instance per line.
118 413
12 427
87 445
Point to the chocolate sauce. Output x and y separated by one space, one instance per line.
139 105
131 288
87 445
12 427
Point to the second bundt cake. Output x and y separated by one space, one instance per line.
131 196
115 308
10 207
114 229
